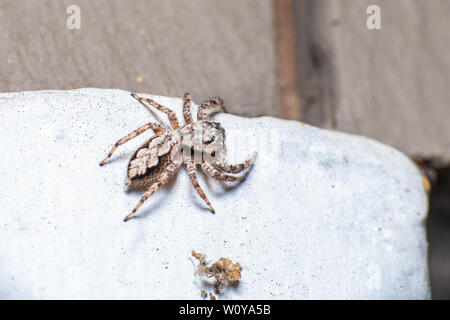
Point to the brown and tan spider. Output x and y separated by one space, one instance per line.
201 142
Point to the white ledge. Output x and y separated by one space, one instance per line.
321 215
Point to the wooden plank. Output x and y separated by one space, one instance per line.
390 84
289 99
211 48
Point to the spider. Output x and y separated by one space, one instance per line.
197 142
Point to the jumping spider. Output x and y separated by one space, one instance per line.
201 142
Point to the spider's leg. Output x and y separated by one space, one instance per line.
235 168
154 126
172 117
187 109
168 172
216 174
208 108
193 176
146 195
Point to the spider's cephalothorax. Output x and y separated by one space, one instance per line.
201 142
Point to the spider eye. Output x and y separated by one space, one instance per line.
209 140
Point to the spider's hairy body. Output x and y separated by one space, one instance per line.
151 172
201 142
204 137
152 158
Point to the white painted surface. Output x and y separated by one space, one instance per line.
321 215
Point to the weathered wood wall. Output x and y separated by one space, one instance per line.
390 84
209 48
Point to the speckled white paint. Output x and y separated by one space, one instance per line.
321 215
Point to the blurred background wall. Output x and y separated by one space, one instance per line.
315 61
211 48
391 84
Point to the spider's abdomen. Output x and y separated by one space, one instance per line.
151 159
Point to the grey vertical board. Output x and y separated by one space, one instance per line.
210 48
390 84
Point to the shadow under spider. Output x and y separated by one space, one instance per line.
226 186
153 205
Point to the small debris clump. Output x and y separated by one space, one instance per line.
225 272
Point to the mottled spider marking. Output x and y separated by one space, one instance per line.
235 168
216 174
197 142
151 173
172 117
147 156
208 108
163 178
193 177
187 109
206 138
157 128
